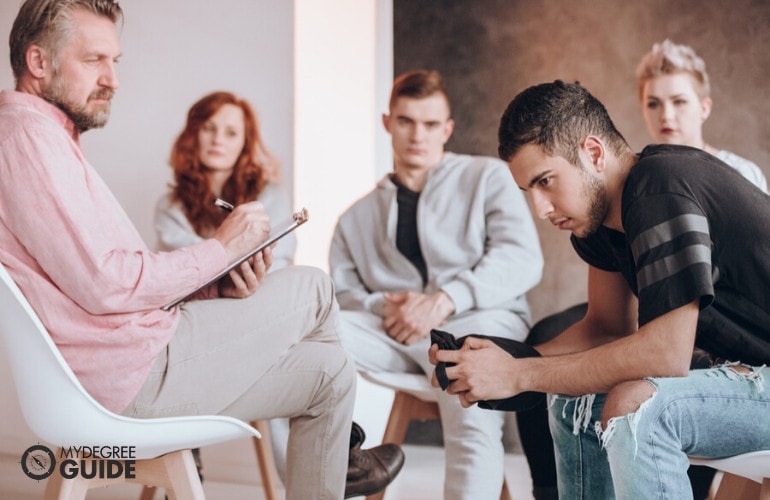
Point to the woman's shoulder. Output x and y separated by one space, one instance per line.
734 160
167 203
746 168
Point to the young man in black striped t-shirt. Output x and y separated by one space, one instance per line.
677 244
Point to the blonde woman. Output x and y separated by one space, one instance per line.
675 94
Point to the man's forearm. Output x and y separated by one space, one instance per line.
662 348
581 336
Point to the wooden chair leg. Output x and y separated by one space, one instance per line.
734 487
266 461
405 409
179 470
58 488
506 493
175 472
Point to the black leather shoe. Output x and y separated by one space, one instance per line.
370 471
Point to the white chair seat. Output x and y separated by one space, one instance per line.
755 465
415 384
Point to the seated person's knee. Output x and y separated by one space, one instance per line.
626 398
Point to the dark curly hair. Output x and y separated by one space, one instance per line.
557 117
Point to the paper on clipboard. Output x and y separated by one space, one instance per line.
297 219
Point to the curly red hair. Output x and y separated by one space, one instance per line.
192 187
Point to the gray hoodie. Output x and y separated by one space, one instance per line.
476 234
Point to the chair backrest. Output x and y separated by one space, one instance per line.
59 410
45 384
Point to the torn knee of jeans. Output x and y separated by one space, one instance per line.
626 398
625 403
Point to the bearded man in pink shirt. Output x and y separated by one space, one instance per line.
252 346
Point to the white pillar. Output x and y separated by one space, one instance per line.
343 71
343 63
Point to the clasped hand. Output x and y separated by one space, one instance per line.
481 371
409 316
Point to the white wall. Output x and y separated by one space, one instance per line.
175 51
344 72
335 132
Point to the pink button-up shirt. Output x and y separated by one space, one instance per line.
80 261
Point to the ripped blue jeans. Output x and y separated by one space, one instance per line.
712 413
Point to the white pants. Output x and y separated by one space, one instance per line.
472 437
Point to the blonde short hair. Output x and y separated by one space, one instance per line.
668 58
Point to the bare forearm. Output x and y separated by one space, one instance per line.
581 336
661 349
593 371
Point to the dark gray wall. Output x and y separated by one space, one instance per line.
489 50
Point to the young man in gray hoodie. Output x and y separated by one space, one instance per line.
446 240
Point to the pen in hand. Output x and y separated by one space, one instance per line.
224 205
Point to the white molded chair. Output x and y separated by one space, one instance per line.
58 410
414 399
745 477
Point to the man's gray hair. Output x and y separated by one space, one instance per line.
48 24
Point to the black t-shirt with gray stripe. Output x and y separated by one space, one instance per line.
694 229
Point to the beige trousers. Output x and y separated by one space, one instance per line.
274 354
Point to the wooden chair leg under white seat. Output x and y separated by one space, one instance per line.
265 460
175 472
734 487
405 409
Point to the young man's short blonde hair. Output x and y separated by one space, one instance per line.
668 58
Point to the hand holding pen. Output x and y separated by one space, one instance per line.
262 263
246 227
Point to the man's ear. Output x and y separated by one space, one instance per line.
449 127
37 61
705 108
594 148
386 121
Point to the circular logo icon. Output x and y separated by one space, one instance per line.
38 462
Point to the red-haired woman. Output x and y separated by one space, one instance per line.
220 154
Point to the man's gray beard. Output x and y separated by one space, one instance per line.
83 120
